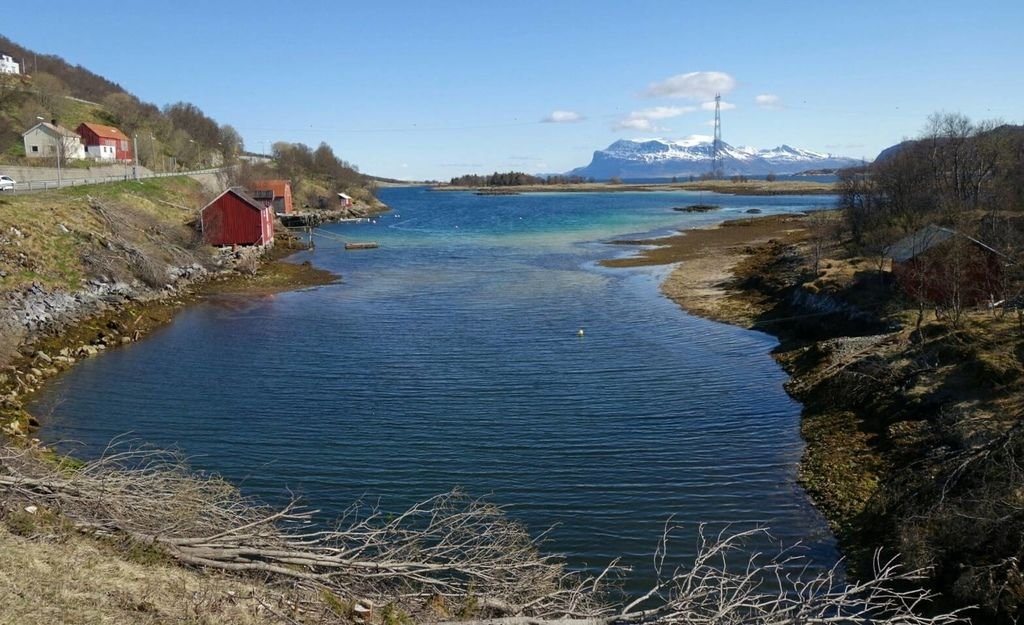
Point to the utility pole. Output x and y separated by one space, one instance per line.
135 152
61 146
717 146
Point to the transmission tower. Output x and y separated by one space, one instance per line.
716 170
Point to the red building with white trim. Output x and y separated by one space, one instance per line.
234 218
102 140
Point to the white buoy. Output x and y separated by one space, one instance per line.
579 332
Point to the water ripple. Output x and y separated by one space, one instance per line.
448 360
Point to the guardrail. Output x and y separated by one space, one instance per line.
30 186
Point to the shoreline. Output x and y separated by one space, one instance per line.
729 187
46 354
888 411
707 258
745 272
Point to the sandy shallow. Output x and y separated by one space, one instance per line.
707 261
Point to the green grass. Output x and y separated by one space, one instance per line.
141 213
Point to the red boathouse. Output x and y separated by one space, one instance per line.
278 193
234 218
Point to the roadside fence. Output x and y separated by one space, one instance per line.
30 186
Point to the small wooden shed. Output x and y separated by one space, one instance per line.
277 192
345 199
234 218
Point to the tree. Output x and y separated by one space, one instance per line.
231 144
187 117
126 110
821 226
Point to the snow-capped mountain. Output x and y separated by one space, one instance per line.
693 156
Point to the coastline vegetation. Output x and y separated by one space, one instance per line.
513 179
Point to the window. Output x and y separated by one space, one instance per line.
35 148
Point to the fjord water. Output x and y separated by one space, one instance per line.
450 357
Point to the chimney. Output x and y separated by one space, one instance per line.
54 122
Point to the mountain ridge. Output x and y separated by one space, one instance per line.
693 156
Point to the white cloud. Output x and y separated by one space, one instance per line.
710 106
563 117
692 86
638 124
643 119
768 101
662 112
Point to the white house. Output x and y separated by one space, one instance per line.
8 65
101 152
44 139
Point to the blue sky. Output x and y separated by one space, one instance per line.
435 89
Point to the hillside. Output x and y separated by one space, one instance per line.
176 137
81 82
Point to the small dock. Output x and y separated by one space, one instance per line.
365 245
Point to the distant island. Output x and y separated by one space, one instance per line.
737 185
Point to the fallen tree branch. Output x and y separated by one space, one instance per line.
463 551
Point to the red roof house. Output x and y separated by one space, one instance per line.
276 192
234 218
104 142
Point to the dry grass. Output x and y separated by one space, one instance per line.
52 576
448 557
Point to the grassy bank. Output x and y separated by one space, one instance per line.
56 244
91 268
752 187
61 238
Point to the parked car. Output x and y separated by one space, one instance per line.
7 183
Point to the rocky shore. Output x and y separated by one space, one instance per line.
47 331
912 433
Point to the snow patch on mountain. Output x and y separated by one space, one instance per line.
694 155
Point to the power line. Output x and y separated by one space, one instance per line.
717 146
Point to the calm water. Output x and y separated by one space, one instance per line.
449 357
